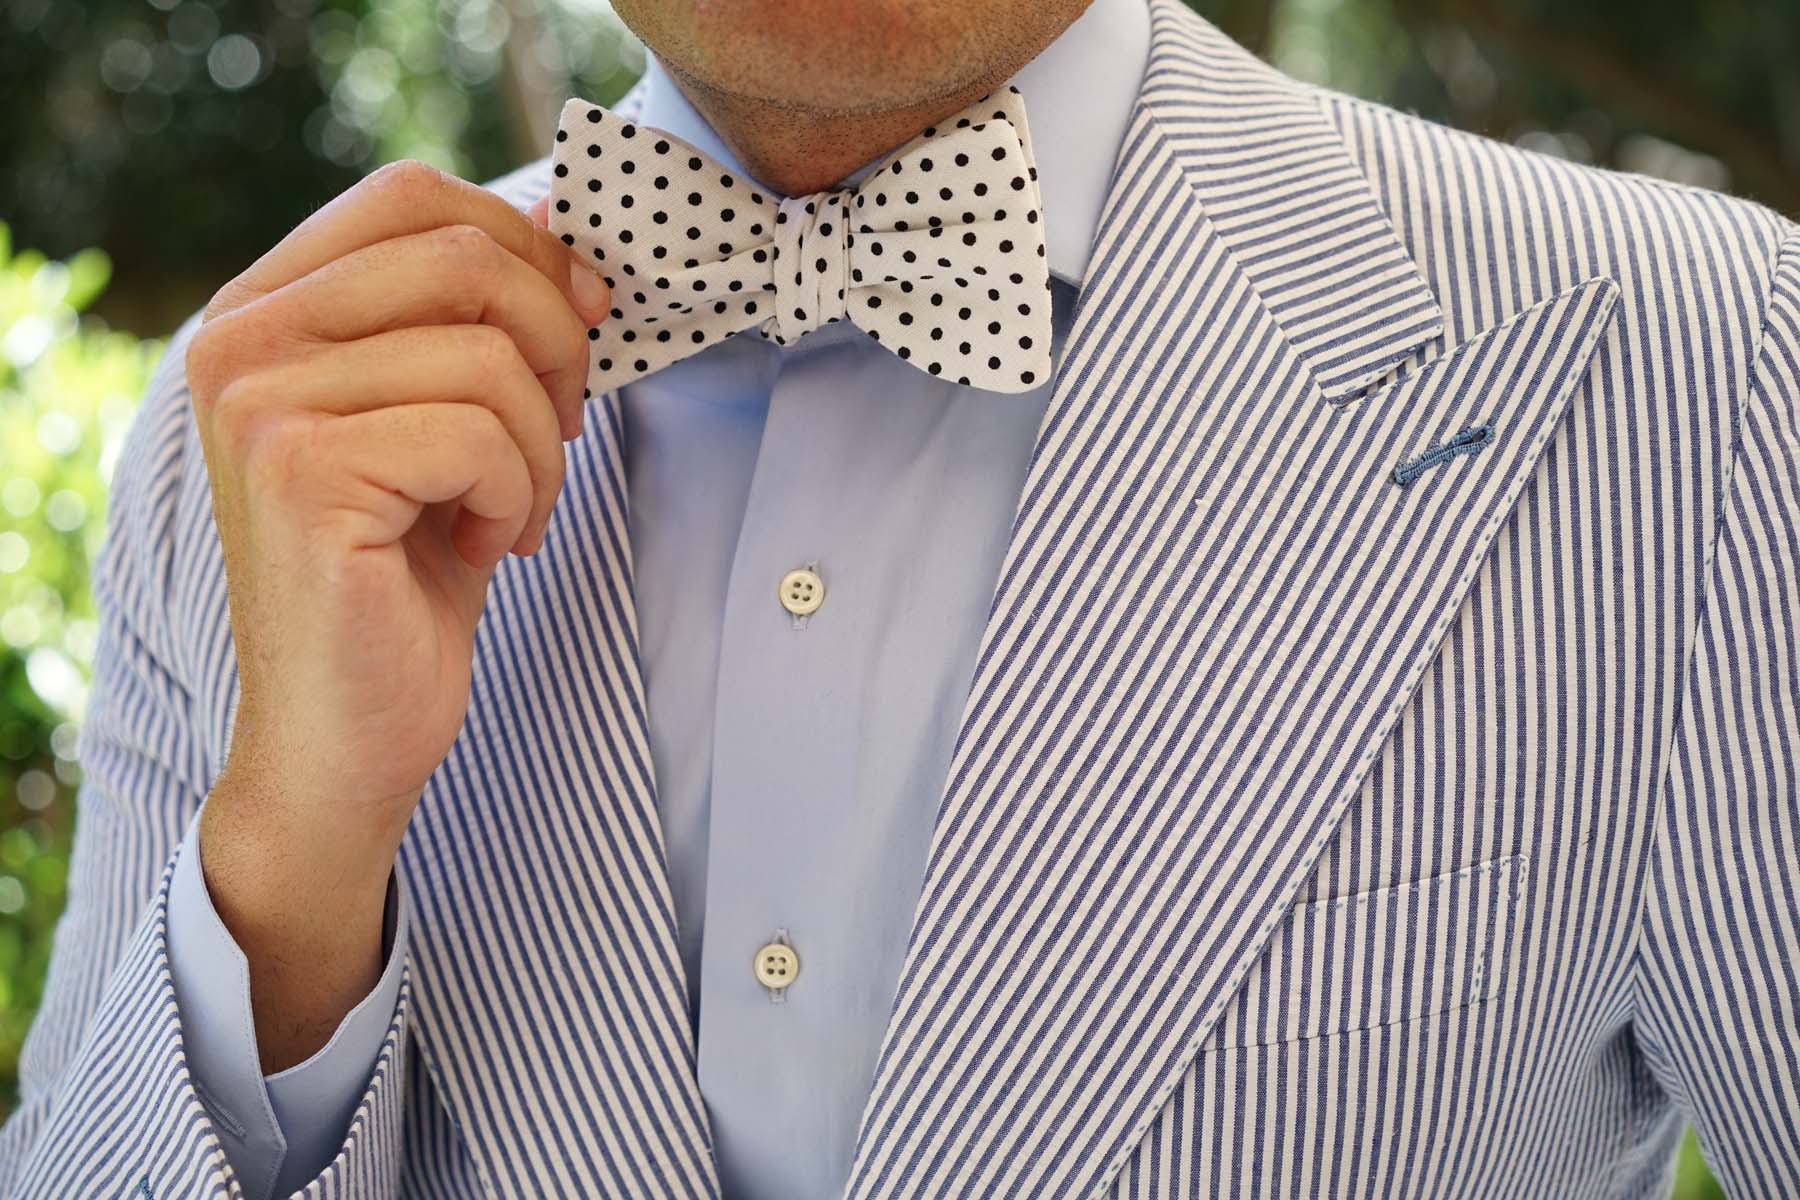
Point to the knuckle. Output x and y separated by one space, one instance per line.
270 444
203 364
213 356
467 247
494 353
405 179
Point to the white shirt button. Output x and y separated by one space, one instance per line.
802 592
776 965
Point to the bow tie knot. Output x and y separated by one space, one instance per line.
938 254
812 237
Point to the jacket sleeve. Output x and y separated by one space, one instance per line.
107 1103
1718 978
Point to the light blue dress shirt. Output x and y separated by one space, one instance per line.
799 760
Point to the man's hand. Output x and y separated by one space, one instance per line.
379 399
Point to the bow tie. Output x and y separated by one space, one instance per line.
938 254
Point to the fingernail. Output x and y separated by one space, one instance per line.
591 296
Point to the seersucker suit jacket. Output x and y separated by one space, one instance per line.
1314 829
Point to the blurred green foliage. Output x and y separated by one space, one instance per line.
187 136
67 393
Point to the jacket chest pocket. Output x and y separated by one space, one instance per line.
1379 957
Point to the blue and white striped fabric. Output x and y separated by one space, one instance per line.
1308 834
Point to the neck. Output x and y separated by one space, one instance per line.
796 151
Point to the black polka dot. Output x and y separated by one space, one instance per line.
628 166
562 135
662 147
629 131
1026 376
606 364
936 368
999 151
562 169
905 352
661 182
993 363
726 214
593 116
819 265
640 365
962 160
924 164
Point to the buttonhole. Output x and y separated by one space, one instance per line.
1470 441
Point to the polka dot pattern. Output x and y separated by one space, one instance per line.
938 254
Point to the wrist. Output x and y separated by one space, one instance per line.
303 893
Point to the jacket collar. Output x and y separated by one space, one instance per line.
1175 700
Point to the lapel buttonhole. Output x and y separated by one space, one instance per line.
1470 441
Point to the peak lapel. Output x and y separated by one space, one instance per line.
1216 603
551 1004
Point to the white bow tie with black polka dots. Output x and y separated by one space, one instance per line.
938 254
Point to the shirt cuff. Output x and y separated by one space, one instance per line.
280 1130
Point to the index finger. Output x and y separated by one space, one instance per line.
401 198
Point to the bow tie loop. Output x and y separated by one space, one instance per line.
811 259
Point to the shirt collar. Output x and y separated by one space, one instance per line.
1079 93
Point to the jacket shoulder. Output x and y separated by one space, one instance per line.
1516 213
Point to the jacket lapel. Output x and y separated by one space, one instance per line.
1216 602
551 1003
